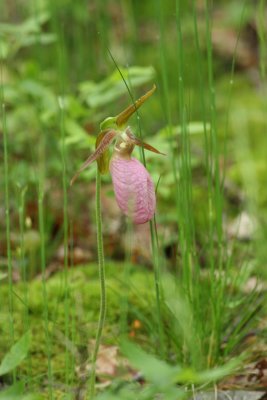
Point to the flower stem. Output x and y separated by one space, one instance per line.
101 265
156 265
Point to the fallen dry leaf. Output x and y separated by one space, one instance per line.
254 376
107 360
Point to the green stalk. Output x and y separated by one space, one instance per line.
72 309
212 351
26 316
63 77
186 220
203 107
101 265
168 117
152 225
44 290
157 282
42 227
166 101
65 229
262 37
7 219
22 257
216 208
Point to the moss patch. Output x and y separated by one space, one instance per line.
78 303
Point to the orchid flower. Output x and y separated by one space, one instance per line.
133 186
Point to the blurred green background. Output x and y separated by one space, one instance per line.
56 54
61 74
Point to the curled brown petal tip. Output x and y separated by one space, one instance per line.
147 146
140 143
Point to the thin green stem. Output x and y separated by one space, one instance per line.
101 265
158 289
262 37
168 118
153 234
185 213
72 309
65 229
23 266
44 290
216 206
7 218
22 257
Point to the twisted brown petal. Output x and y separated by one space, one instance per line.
105 141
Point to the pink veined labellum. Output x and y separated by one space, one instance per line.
133 186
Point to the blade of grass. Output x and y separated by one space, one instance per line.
23 261
63 77
7 211
216 204
65 227
44 290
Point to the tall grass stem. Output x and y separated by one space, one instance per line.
7 215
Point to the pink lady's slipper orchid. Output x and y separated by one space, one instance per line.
133 186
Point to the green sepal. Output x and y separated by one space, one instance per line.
108 123
103 160
122 118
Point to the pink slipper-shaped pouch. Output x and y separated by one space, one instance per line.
134 189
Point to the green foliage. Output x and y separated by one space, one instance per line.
28 33
111 88
12 359
162 379
164 376
16 354
16 392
